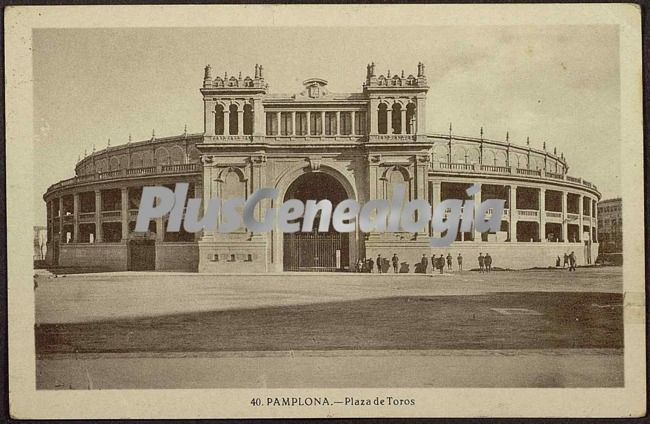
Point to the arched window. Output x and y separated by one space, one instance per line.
115 163
177 155
501 159
194 154
136 160
411 123
218 120
382 119
162 156
396 119
395 177
489 158
124 162
248 119
234 120
473 155
147 158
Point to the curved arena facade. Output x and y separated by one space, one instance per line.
317 144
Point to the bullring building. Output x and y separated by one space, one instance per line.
317 144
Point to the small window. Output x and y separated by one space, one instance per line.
232 258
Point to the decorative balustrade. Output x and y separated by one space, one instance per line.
494 168
87 217
553 214
572 216
141 171
530 172
120 173
528 213
468 167
111 214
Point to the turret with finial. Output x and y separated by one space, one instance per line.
257 71
108 144
153 134
481 133
528 141
508 137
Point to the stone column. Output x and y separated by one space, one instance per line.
580 219
293 124
322 122
542 214
124 202
99 233
259 119
353 130
308 123
477 202
421 116
338 123
435 200
160 230
240 122
278 119
513 213
373 115
198 193
389 120
209 112
226 122
403 118
75 231
565 221
595 223
61 215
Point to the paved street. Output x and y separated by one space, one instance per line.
542 328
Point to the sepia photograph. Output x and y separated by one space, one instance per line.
307 211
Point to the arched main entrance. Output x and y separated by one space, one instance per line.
316 251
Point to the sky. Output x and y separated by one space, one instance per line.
554 84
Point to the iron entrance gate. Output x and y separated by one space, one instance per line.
324 252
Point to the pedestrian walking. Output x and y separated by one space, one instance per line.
395 261
424 263
379 264
488 262
449 261
441 263
481 262
460 262
371 265
434 263
566 260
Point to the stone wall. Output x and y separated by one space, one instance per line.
232 256
177 257
99 256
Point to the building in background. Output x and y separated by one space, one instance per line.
610 226
40 242
318 144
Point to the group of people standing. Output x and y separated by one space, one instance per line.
484 262
439 262
382 265
569 260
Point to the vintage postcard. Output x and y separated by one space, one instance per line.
325 211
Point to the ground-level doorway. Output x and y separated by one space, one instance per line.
316 251
142 255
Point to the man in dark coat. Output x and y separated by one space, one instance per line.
441 263
572 261
379 263
481 262
488 262
449 261
371 265
395 261
566 260
460 262
424 262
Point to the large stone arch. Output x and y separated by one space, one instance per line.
275 249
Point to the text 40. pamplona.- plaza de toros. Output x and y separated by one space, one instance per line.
317 144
